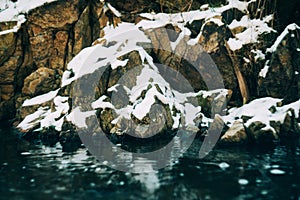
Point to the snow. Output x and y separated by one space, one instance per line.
10 11
191 112
126 36
246 60
259 55
61 109
40 99
77 117
263 72
113 10
117 63
221 92
31 120
259 111
254 28
162 19
100 103
204 7
290 27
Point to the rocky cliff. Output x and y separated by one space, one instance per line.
34 56
252 58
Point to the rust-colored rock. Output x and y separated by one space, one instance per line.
41 81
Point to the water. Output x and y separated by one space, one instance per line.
37 171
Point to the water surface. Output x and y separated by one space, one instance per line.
33 170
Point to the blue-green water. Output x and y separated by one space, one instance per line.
37 171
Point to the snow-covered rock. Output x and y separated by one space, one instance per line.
122 79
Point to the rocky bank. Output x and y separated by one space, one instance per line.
45 73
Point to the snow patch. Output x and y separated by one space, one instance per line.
259 111
77 117
290 27
10 11
40 99
263 72
258 55
254 28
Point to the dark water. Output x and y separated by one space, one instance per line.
36 171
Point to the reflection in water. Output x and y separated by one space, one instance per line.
36 171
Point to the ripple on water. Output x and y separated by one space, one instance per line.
277 171
243 181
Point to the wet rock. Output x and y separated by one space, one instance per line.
236 134
69 138
260 134
290 126
49 136
41 81
157 121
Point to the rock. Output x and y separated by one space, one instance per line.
52 35
217 125
6 111
8 70
156 122
236 134
6 92
290 126
281 80
41 81
82 32
7 41
259 134
58 14
215 102
58 58
69 138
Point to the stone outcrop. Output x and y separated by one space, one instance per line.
32 60
41 81
236 134
282 78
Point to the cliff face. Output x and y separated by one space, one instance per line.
252 58
33 58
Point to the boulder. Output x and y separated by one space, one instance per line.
41 81
290 126
260 134
236 134
282 77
